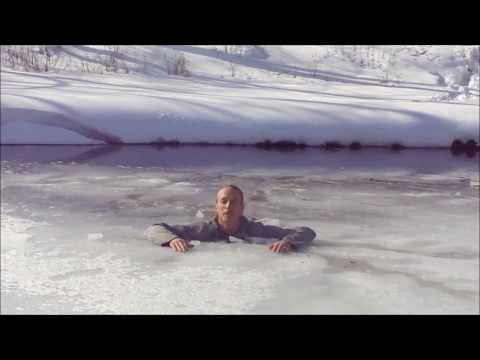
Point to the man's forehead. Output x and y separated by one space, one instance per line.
227 191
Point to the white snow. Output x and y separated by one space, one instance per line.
397 232
417 96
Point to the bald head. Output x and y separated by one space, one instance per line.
229 205
232 188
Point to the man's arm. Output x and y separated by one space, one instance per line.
297 236
161 234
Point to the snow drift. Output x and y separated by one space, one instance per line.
375 95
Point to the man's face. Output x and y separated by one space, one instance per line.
229 205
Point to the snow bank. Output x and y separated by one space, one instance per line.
246 95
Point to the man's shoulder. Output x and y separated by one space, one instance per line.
196 223
248 219
204 223
254 220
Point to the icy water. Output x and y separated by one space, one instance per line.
397 232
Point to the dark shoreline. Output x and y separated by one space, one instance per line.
240 158
257 145
456 148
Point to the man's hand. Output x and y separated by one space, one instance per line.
180 245
281 246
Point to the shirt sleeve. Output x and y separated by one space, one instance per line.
161 234
297 236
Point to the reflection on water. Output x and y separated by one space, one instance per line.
415 160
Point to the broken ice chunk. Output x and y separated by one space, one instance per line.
269 221
234 239
95 236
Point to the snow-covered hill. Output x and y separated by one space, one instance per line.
376 95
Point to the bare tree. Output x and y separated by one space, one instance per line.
29 58
177 64
50 58
110 62
84 66
315 64
233 68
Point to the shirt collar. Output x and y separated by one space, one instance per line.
243 221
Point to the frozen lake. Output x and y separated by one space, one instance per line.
397 232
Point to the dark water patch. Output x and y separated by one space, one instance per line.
282 145
237 158
355 146
469 148
397 147
161 143
333 145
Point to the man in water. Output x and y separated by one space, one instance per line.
229 222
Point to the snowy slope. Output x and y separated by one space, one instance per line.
414 95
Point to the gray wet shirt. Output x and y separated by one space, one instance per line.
162 233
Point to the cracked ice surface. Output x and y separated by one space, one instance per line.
396 232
